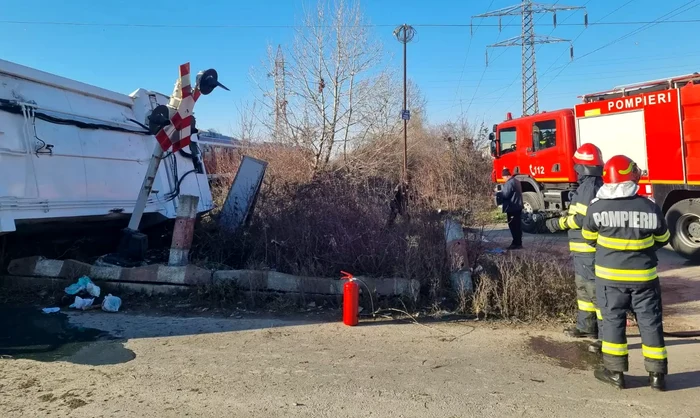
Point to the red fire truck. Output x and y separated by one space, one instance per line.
656 123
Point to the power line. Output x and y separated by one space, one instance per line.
588 64
482 75
528 40
516 77
581 33
575 39
629 34
466 56
383 25
617 75
481 79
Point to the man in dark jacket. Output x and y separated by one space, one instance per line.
588 163
511 199
626 230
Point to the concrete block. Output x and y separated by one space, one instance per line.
73 269
146 274
282 282
106 273
23 266
392 287
48 268
195 276
245 279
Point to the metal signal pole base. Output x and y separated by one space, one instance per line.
134 244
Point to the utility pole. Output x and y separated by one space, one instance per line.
527 41
405 34
280 94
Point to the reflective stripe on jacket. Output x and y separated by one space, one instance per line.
626 233
578 207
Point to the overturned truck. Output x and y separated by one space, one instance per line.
74 153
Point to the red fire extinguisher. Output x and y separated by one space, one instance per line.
351 299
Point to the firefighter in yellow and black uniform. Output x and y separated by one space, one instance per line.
588 163
626 230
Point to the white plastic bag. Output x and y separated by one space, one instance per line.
93 289
84 283
111 303
51 310
81 303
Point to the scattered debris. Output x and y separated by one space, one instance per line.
51 310
87 296
81 303
84 283
111 303
496 251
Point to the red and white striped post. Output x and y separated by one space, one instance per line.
184 230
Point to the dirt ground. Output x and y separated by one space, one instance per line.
313 366
209 367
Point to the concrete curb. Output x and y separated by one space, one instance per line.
253 280
282 282
71 269
116 288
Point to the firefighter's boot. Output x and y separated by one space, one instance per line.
577 333
616 379
657 381
595 347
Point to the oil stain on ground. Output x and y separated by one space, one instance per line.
572 355
28 333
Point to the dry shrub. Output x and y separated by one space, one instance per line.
446 167
285 165
453 174
317 223
331 223
527 286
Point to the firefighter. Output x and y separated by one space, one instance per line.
588 163
626 230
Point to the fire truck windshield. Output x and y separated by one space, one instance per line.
507 138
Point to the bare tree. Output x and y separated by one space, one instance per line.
247 122
325 80
379 141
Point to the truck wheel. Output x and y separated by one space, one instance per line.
531 205
683 220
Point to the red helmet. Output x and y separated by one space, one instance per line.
620 169
588 154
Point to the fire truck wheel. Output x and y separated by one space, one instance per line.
683 220
531 205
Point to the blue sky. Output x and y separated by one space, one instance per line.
126 58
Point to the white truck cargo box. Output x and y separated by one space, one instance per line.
71 151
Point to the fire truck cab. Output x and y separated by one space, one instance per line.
655 123
537 150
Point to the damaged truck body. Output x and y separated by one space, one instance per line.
72 152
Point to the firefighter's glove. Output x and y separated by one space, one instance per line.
553 224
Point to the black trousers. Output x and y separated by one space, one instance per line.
516 228
614 302
589 318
